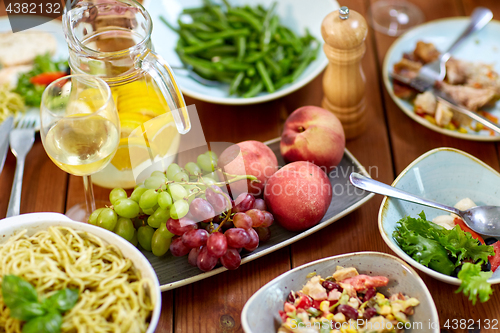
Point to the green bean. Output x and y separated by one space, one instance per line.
246 16
251 72
290 38
214 24
195 26
246 83
189 37
255 88
224 77
254 12
253 45
171 27
216 10
193 10
202 67
262 9
268 29
241 43
236 83
285 64
276 69
284 80
219 51
233 64
305 62
264 75
202 46
254 56
223 34
269 13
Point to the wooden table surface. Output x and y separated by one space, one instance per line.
391 142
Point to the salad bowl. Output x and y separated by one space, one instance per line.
260 313
445 175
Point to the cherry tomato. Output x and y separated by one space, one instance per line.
495 260
465 228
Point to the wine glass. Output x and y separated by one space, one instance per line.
393 17
80 130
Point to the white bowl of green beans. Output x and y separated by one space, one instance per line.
240 51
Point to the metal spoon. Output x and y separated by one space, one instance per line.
482 219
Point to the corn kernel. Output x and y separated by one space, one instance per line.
430 119
451 127
329 316
462 130
390 317
324 306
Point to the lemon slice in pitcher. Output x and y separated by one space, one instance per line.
140 97
133 149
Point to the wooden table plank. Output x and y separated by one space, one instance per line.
409 140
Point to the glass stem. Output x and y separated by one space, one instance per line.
89 194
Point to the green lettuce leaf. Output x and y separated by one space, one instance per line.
474 282
426 251
461 245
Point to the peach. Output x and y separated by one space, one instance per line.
298 195
313 134
249 158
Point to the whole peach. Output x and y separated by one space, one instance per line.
249 158
298 195
313 134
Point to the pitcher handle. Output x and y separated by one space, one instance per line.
163 75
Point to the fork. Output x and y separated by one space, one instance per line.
436 70
21 140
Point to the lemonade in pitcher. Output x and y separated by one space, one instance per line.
112 40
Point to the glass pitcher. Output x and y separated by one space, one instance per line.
112 39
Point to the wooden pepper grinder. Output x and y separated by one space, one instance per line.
344 33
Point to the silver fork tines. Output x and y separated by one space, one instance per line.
21 140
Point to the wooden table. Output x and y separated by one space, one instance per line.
391 142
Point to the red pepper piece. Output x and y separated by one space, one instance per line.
45 79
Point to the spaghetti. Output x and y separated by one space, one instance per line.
113 297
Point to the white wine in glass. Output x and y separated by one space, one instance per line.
80 130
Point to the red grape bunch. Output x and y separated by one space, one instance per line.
226 235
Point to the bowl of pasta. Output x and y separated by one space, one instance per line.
117 289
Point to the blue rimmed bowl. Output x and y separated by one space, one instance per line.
445 175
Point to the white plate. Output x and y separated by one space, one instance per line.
55 28
295 14
483 46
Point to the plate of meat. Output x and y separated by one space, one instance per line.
472 77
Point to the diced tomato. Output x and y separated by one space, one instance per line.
363 282
316 303
283 315
465 228
45 79
304 303
495 260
